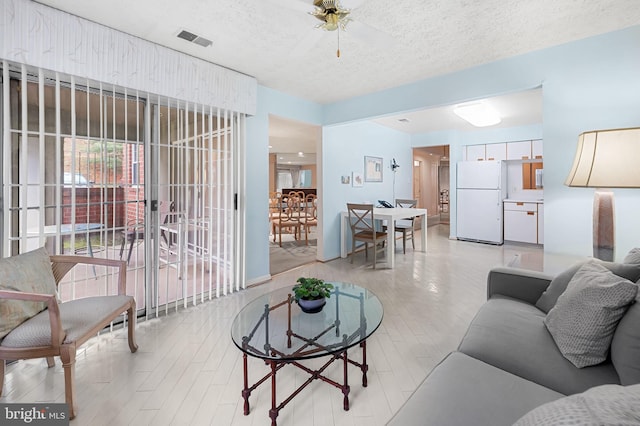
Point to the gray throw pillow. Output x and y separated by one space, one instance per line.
559 282
633 256
625 346
30 273
605 405
584 319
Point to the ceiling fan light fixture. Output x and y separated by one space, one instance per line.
332 22
478 114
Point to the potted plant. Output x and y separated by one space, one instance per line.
310 294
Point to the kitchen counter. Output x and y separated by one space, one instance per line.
520 200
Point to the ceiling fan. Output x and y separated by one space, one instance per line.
332 14
335 17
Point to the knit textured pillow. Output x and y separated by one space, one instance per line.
602 405
584 319
633 256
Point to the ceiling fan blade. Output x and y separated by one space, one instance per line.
295 5
310 40
352 4
370 35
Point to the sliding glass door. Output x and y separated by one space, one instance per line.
98 170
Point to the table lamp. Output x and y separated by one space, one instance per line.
606 159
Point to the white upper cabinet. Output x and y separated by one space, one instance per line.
536 148
475 152
519 150
496 152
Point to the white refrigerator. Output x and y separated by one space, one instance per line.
481 187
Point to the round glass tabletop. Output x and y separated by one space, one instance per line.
274 327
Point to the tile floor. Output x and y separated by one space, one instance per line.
188 372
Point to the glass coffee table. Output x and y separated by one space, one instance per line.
274 328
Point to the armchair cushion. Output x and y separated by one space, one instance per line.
30 273
586 315
78 317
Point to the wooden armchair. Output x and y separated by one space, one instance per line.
61 328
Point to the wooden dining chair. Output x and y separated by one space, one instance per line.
406 226
288 217
310 217
362 222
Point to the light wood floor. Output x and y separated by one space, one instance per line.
188 372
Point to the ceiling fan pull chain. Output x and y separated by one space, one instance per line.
338 51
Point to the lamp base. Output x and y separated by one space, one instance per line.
603 225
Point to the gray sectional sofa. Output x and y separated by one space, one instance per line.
508 363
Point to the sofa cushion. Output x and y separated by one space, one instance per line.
633 256
78 317
511 335
30 273
462 391
625 346
586 315
602 405
559 283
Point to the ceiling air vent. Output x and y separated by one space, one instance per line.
194 38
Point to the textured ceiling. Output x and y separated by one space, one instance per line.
389 43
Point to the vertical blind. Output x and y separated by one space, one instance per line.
94 169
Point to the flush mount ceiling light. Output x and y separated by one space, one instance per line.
478 114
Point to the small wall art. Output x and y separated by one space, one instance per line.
346 180
357 179
372 169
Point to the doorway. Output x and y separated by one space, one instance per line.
293 167
431 187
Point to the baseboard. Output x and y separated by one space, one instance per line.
258 280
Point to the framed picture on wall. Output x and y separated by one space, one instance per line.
357 179
372 169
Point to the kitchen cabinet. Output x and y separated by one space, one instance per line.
488 152
475 152
496 152
536 149
521 221
540 223
519 150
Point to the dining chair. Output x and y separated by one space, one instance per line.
362 222
406 226
310 217
288 216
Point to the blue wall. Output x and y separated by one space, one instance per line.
589 84
343 151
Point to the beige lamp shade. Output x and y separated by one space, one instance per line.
607 159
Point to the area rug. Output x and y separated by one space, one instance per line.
291 255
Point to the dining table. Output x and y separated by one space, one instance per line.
390 215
